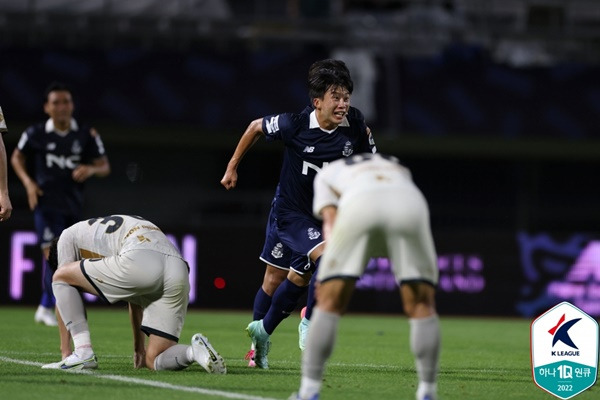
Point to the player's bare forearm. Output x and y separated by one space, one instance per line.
135 316
139 349
329 213
250 136
18 162
100 168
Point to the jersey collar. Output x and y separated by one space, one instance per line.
315 124
50 127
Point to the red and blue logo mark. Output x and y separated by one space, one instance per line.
561 332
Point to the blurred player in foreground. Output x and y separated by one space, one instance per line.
370 207
5 206
126 258
53 159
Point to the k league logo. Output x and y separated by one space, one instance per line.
564 350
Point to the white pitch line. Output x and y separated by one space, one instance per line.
146 382
279 362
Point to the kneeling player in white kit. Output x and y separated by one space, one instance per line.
370 207
126 258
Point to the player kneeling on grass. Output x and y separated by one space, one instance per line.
126 258
370 207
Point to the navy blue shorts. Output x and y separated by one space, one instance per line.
301 235
50 224
277 254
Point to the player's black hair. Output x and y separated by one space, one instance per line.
325 74
53 254
56 87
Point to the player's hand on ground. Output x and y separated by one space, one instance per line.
139 360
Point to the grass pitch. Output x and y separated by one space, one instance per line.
482 358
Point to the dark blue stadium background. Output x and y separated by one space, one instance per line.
499 152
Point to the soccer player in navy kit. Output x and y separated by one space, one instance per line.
62 155
327 130
277 258
5 205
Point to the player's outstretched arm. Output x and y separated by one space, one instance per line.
250 136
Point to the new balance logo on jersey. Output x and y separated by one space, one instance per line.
309 149
272 124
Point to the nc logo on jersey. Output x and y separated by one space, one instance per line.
564 350
313 233
348 149
277 251
272 124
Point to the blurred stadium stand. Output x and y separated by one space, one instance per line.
511 86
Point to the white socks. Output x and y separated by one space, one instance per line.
319 346
174 358
83 345
425 345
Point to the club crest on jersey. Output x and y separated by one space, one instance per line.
277 251
348 149
76 147
313 233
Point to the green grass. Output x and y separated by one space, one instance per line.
482 358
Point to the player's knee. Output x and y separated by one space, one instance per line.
419 309
332 304
271 283
59 276
299 280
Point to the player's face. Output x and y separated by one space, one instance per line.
333 107
59 107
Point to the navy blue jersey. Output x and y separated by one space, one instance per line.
52 157
308 148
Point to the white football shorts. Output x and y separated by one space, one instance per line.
157 282
390 222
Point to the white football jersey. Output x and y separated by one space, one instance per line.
356 174
109 236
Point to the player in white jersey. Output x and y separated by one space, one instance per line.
370 207
126 258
